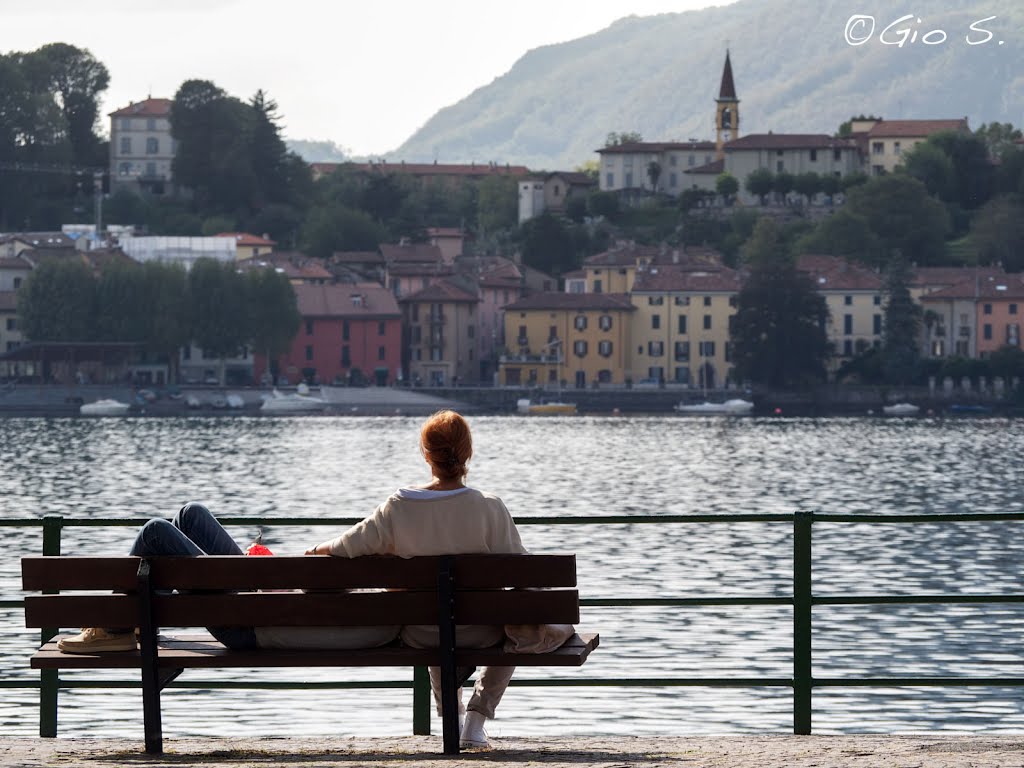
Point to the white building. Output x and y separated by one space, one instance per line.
141 147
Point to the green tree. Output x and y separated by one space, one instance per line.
548 245
727 186
497 204
973 172
782 185
808 185
76 80
903 216
168 323
760 182
219 309
604 204
654 173
830 186
999 138
778 333
120 303
997 232
334 227
901 325
625 137
932 167
57 302
847 234
274 317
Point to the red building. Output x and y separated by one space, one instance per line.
350 333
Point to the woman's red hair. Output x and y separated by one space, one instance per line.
447 444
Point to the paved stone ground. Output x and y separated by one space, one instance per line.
598 752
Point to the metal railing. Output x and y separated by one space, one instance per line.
803 601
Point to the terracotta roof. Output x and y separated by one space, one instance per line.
405 252
8 301
471 170
572 301
445 232
715 167
910 128
832 273
363 300
623 254
943 277
680 277
14 263
41 239
990 287
789 141
655 147
727 91
356 257
244 238
294 265
145 108
500 273
412 269
441 291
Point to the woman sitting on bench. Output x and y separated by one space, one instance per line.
443 517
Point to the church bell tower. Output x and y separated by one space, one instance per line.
727 110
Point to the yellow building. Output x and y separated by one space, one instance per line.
853 294
681 324
566 339
884 142
249 246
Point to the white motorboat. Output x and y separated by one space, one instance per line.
106 407
736 407
554 408
292 403
900 409
235 401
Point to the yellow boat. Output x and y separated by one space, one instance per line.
545 409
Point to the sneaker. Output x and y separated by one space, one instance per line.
97 639
473 734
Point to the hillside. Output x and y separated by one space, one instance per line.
793 69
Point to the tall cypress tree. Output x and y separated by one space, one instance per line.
902 324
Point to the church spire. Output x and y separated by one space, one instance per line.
728 89
727 110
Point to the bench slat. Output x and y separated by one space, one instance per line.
284 572
300 609
190 652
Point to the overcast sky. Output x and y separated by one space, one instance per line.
364 74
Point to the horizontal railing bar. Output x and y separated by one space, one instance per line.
818 517
638 602
917 682
922 599
12 603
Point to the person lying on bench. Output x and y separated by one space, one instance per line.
443 517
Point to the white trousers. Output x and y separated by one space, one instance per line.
491 682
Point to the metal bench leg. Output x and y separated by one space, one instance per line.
449 674
151 679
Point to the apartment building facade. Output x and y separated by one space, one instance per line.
141 147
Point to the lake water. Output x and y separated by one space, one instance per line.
342 467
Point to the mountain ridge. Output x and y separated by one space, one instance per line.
794 72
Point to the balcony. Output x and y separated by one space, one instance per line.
528 358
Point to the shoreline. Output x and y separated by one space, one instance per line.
774 751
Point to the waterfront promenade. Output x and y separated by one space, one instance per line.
782 751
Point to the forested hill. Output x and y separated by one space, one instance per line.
794 72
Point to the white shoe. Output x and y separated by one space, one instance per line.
473 734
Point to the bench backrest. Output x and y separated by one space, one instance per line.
221 591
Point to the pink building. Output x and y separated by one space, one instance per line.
350 333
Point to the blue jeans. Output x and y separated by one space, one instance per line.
193 532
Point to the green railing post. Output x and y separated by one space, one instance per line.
49 683
802 681
421 697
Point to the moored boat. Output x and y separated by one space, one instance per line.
105 407
553 408
292 403
735 407
900 409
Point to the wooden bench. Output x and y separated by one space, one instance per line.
221 591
